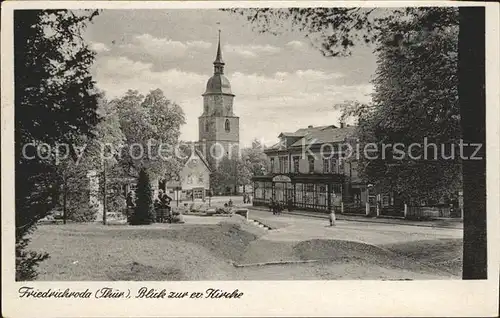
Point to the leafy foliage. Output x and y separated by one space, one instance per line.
151 123
234 172
416 97
55 102
225 179
254 159
415 102
144 208
334 31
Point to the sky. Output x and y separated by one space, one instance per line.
282 83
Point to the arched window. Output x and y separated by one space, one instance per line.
227 126
206 126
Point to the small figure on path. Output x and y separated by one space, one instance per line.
230 204
279 208
332 217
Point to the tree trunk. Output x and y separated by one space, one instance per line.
65 195
105 194
472 111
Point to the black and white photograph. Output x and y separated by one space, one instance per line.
243 143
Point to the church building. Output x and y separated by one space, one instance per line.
219 127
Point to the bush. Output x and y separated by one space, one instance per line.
82 210
88 214
144 209
117 203
224 210
27 261
177 218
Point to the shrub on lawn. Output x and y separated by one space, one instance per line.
117 203
144 209
81 210
224 210
176 217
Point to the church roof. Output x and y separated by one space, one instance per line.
218 57
218 84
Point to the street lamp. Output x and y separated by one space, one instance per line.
367 204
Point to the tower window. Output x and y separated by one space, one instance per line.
206 126
227 126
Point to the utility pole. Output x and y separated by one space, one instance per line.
65 195
105 193
235 177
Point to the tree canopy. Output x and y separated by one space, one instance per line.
55 102
415 103
151 126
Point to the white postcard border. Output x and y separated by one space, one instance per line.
261 298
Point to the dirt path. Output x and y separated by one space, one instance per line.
206 252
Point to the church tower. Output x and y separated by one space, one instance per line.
219 128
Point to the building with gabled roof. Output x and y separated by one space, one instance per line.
309 171
193 181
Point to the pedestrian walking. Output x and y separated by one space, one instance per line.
332 217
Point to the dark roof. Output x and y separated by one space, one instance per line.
187 151
218 84
278 146
291 134
315 135
325 135
308 130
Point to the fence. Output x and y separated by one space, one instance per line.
354 208
300 196
426 212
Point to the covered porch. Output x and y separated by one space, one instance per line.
316 192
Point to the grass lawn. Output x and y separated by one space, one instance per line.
208 251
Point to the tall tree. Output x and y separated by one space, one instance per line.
229 175
415 103
73 176
254 158
55 102
151 125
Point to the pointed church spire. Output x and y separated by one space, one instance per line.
218 58
219 63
